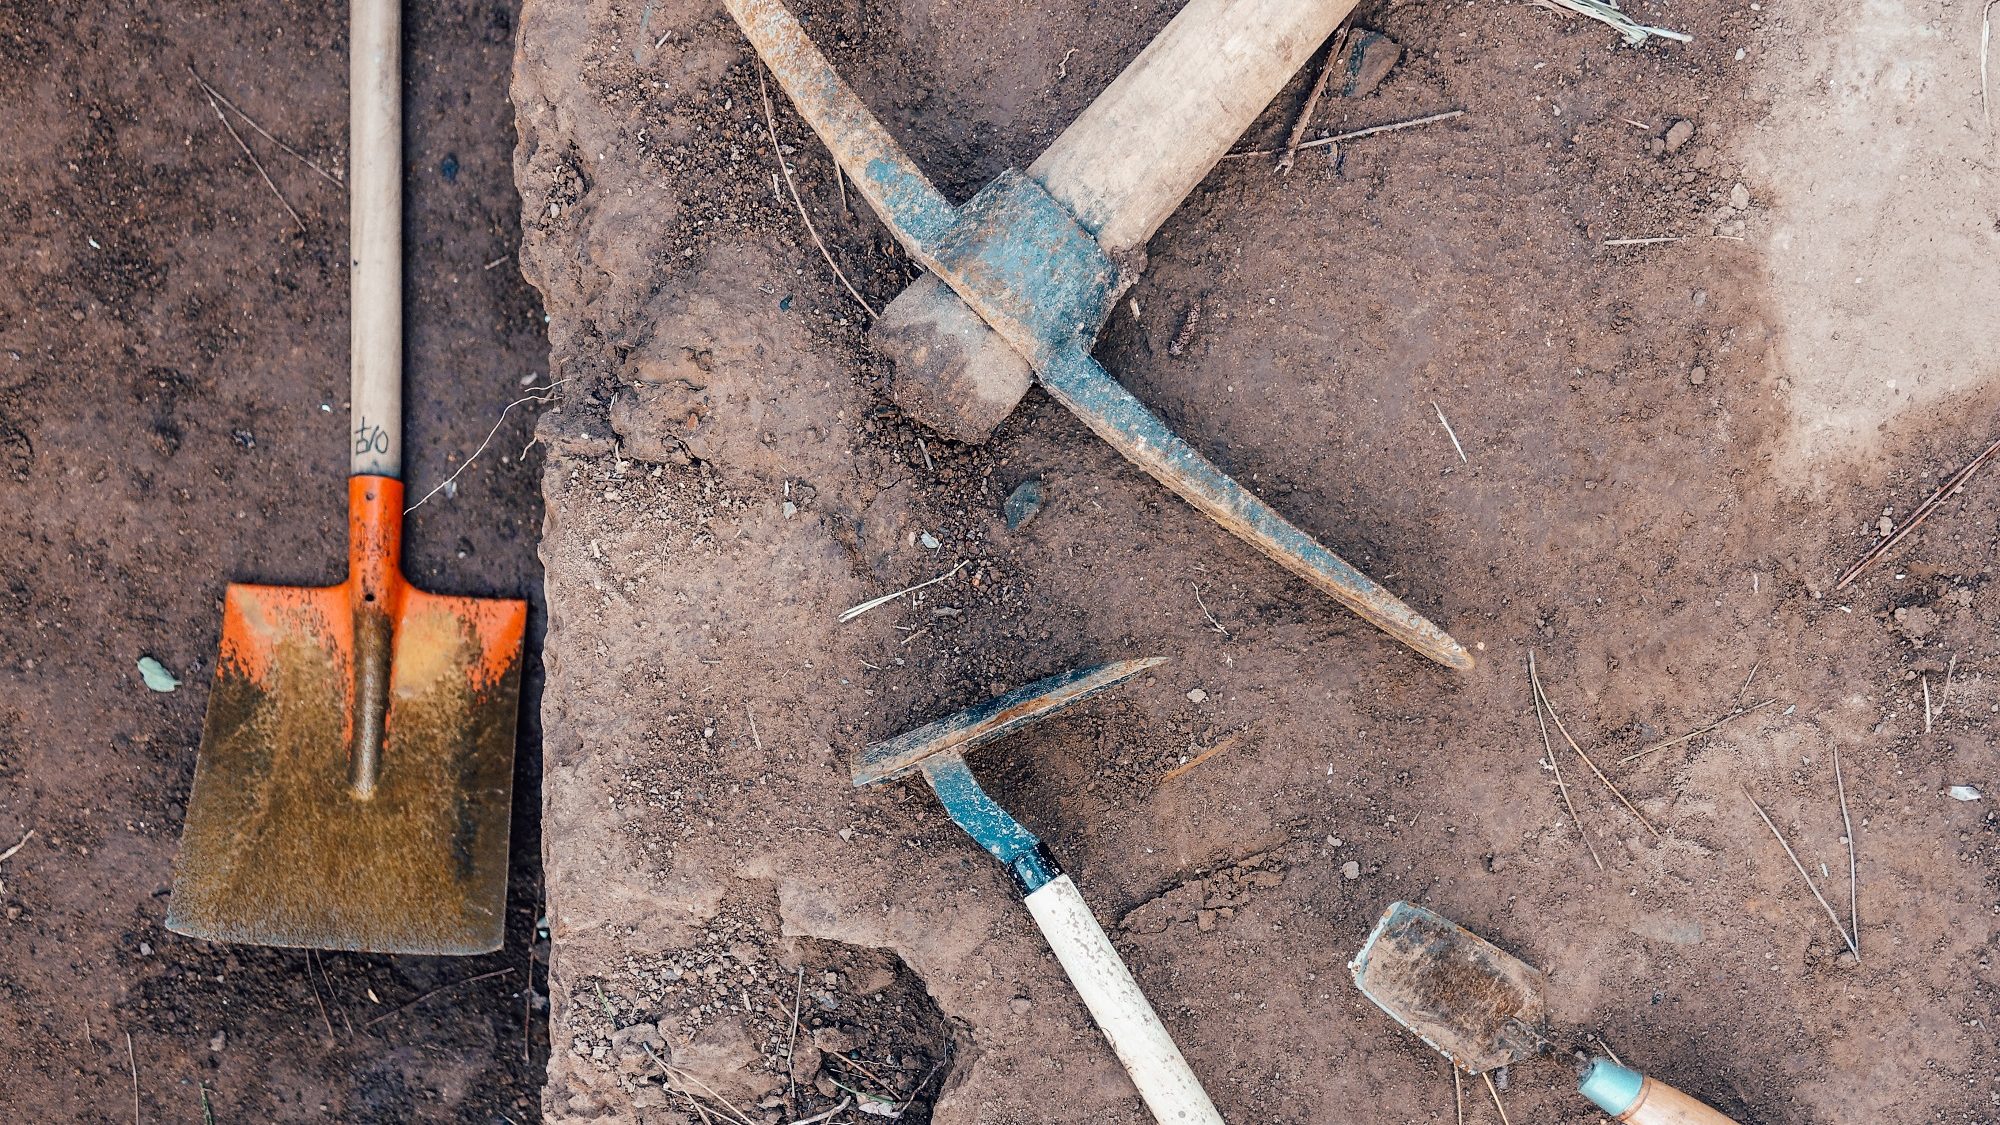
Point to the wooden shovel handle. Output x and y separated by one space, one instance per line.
375 236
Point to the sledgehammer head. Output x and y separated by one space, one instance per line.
992 720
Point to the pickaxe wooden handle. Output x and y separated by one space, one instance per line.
1034 276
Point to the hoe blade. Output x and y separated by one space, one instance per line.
1477 1005
356 768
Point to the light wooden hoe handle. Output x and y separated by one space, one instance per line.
1633 1098
375 236
1140 1040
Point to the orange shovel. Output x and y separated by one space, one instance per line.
356 767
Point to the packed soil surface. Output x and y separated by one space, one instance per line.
173 417
1707 320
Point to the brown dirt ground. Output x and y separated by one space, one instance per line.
727 474
173 378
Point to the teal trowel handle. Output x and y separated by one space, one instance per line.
1632 1097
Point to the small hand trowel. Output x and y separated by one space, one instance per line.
356 767
1482 1008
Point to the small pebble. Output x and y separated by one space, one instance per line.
1020 1005
929 541
1680 133
1197 696
1698 376
1964 793
1739 198
1350 870
1023 504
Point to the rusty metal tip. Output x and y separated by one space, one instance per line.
994 719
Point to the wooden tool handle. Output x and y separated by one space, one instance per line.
375 236
1636 1099
1661 1104
1129 160
1169 1088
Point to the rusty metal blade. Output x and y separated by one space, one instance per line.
1477 1005
996 718
279 850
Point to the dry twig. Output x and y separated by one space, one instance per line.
1943 700
1535 689
1357 134
1651 241
1810 885
1853 872
1204 756
1698 731
1457 1092
10 852
771 130
1923 511
1291 154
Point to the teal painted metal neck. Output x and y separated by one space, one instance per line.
989 825
1614 1088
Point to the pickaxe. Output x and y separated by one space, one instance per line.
937 750
1025 273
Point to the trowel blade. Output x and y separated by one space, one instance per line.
1478 1006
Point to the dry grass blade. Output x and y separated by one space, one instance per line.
771 130
1696 733
1606 12
10 852
1810 885
1213 623
672 1071
314 985
288 150
828 1115
855 611
1927 704
1653 240
1853 872
792 1041
1923 511
539 396
1535 688
1615 791
1985 39
1450 433
407 1005
254 162
132 1058
1457 1092
1495 1091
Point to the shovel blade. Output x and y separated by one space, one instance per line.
1477 1005
281 848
